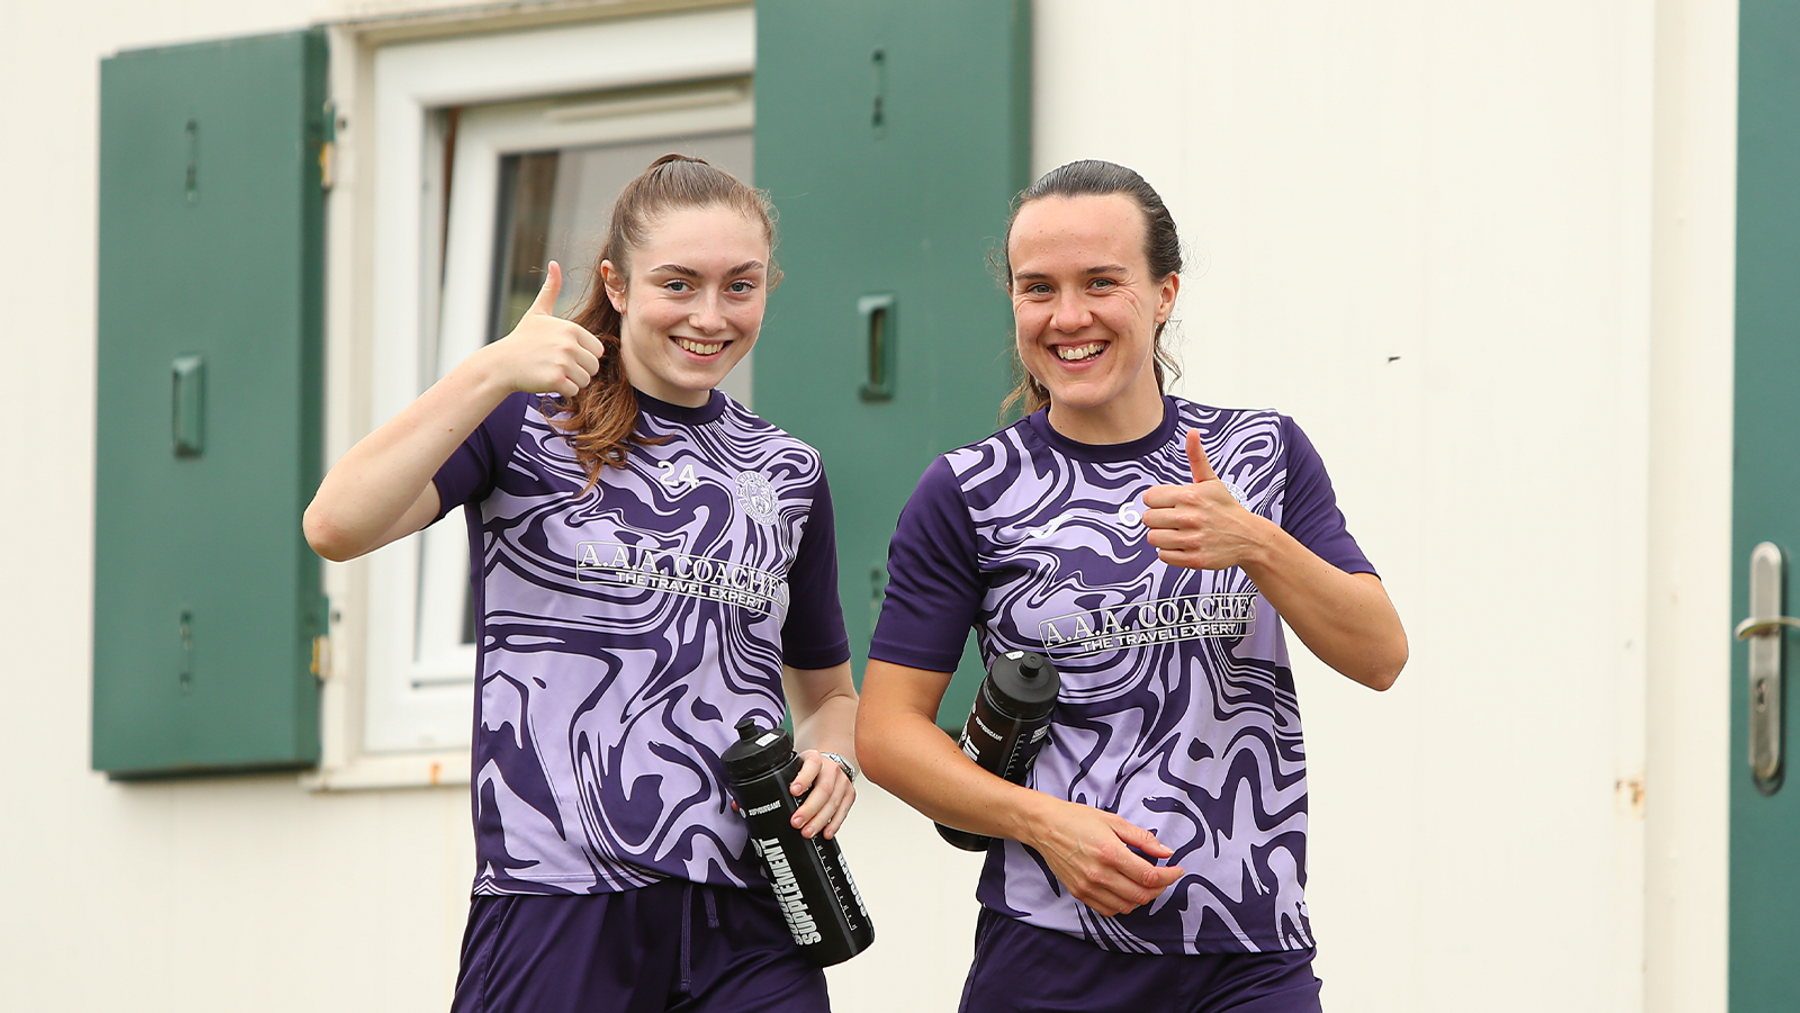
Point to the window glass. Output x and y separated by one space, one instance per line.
522 227
555 205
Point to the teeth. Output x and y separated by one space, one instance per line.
1077 353
700 347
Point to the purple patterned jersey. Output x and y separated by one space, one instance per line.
1177 708
623 631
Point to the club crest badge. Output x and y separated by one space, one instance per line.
756 496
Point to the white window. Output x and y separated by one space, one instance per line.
492 155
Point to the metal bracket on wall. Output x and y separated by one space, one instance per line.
328 127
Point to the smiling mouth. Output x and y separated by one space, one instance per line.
700 347
1080 353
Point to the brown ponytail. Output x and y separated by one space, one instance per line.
602 417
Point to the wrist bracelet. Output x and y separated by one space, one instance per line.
849 771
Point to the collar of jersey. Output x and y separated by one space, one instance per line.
1105 453
712 409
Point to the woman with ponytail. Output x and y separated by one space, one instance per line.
651 563
1153 548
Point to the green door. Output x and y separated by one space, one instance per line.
892 135
1765 812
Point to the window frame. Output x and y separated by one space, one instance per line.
383 335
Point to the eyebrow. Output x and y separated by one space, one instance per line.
1097 269
744 268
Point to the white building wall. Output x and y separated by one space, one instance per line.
1688 597
1427 231
1530 208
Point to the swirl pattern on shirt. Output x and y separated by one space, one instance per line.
1177 708
623 632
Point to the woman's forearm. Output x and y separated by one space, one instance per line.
378 482
904 751
1100 856
823 703
381 489
1345 619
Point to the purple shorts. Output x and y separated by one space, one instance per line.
1022 967
673 945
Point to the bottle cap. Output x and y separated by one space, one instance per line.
1028 682
757 751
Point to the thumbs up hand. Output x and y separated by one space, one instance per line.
545 353
1201 525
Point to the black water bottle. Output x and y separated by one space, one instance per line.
1008 723
812 883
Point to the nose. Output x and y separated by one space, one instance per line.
1071 312
706 317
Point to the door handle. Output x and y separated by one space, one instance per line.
188 422
877 312
1765 630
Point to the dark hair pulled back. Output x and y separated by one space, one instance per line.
601 418
1092 177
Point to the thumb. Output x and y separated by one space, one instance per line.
1141 839
545 302
1197 462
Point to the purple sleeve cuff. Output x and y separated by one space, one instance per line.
934 578
1310 512
813 636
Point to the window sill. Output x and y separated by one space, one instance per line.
408 770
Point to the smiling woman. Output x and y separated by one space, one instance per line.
1068 260
695 314
705 242
653 565
1153 548
1088 312
524 183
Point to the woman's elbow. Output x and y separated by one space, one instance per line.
885 736
1380 681
326 538
1384 667
872 744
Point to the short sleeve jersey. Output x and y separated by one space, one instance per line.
1177 708
624 630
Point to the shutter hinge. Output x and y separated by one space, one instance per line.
328 147
320 621
321 658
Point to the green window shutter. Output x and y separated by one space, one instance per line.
206 599
892 135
